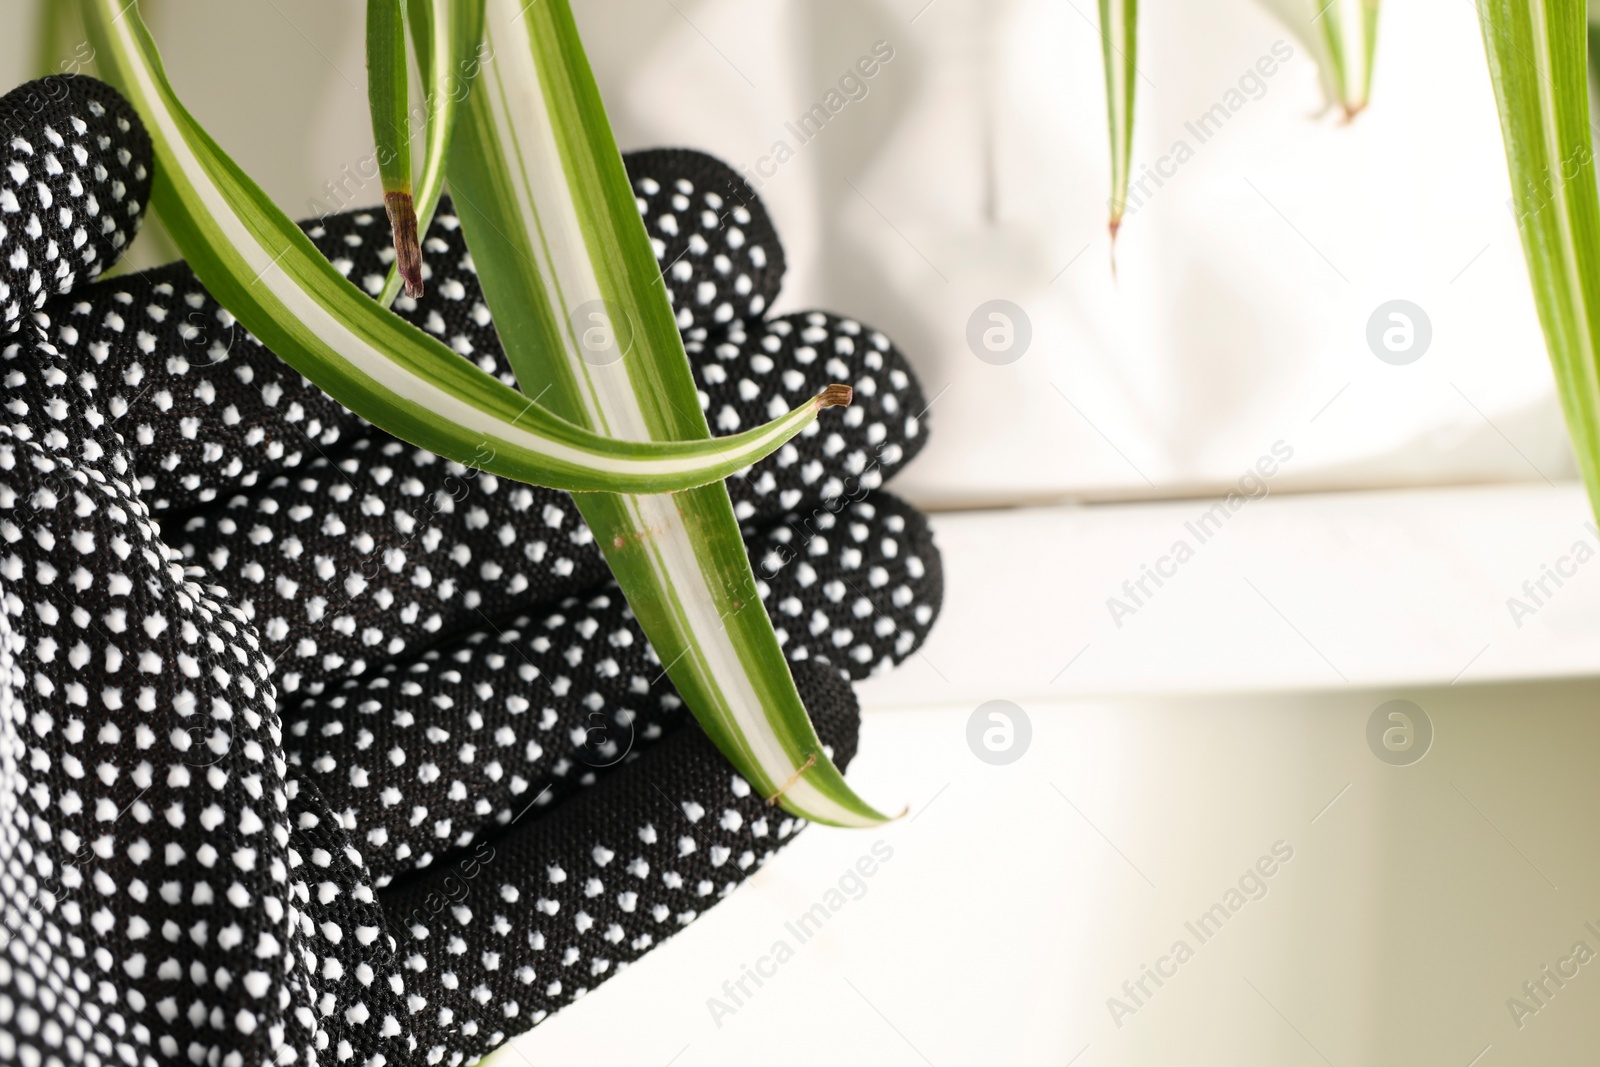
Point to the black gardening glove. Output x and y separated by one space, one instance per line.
317 748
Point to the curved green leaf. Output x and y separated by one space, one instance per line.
388 96
577 296
447 37
1537 62
1119 48
1350 35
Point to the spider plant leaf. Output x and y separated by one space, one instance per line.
446 36
577 295
388 95
1350 35
1594 47
59 45
272 278
1537 63
1119 40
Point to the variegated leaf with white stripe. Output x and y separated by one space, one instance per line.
1537 62
1119 47
579 303
1349 30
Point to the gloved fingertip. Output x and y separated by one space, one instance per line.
75 172
878 549
723 258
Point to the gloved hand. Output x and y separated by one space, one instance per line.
317 748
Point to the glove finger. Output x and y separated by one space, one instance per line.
347 565
501 937
344 967
858 586
719 254
204 406
427 752
74 180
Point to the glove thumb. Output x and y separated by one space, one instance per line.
75 165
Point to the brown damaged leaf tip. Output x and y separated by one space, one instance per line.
407 250
1114 225
835 396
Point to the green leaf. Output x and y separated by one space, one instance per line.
259 265
447 37
59 46
577 296
1536 51
1119 47
388 89
1350 35
1594 47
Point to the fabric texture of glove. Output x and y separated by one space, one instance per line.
317 748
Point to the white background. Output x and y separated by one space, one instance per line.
1171 751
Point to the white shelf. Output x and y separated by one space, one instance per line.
1294 592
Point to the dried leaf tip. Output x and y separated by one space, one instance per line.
407 249
835 396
